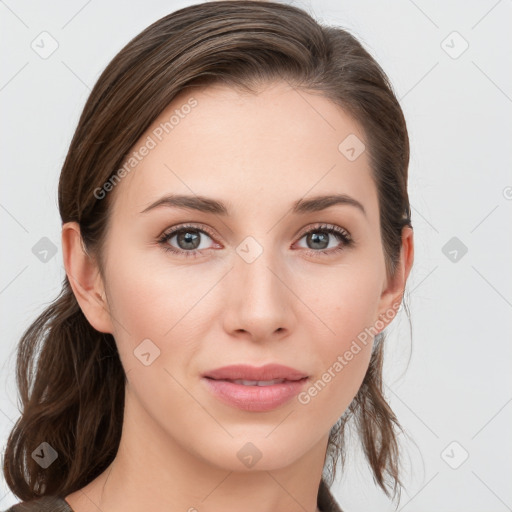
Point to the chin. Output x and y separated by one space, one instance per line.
255 453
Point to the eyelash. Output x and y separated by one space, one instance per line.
340 233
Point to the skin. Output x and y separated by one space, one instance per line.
258 154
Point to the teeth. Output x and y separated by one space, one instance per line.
258 382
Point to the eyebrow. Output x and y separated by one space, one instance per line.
210 205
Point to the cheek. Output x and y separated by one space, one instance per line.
148 297
347 307
159 327
344 357
331 392
153 301
344 305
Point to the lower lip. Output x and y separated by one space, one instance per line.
254 398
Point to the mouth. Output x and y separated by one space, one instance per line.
255 389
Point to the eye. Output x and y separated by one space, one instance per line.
318 238
188 238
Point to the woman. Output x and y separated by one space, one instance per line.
236 237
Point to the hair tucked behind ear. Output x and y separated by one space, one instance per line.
70 378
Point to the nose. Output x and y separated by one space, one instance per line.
259 299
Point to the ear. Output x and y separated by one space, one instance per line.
392 295
85 279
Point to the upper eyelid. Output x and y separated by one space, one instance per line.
168 233
324 225
199 227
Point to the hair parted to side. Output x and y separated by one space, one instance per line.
70 378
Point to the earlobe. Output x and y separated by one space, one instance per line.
85 278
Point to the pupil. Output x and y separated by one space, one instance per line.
321 239
189 238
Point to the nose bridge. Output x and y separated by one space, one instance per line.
259 302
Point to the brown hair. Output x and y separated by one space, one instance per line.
72 396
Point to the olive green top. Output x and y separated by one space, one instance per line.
325 502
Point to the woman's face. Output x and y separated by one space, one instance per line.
247 285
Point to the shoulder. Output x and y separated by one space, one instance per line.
326 501
43 504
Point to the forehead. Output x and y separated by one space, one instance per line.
279 144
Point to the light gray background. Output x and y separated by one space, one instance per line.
457 386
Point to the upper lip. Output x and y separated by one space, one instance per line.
262 373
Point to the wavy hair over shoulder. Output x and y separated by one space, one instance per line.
70 379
